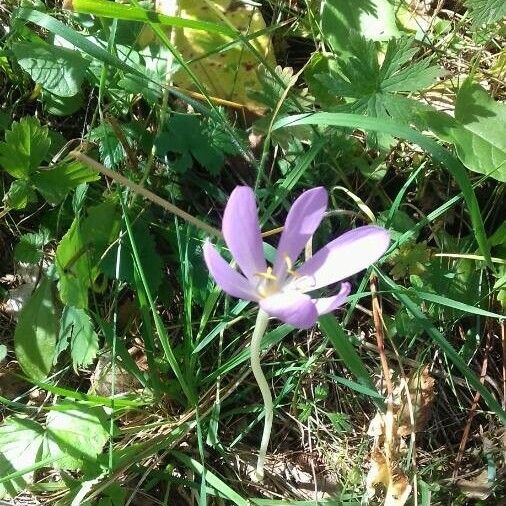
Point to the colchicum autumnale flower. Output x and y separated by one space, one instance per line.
282 291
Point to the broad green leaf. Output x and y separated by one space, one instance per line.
481 140
374 19
58 70
36 331
3 352
54 184
20 442
477 131
29 249
76 433
76 328
62 106
26 145
72 265
20 193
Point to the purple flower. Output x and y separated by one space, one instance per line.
282 290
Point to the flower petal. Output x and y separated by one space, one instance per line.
325 305
294 308
241 230
303 219
348 254
226 278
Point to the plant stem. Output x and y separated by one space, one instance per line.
256 339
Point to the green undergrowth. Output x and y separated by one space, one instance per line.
124 370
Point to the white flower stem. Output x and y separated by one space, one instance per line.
256 339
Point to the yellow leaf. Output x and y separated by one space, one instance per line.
232 73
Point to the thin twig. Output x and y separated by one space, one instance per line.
472 410
93 164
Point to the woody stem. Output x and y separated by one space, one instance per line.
256 340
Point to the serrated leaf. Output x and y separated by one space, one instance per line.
76 328
76 433
54 184
58 70
380 90
20 193
26 145
29 249
110 148
477 131
186 135
73 267
20 442
36 331
485 12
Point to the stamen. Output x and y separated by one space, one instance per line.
289 266
267 274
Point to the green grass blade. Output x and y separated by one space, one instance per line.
455 304
160 329
107 9
445 346
346 351
439 153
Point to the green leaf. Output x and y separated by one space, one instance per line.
62 106
54 184
20 442
3 352
185 136
341 342
485 12
29 249
26 145
76 327
149 258
374 19
20 193
72 265
439 153
481 142
377 90
58 70
477 131
36 331
76 433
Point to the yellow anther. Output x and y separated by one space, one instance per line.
267 274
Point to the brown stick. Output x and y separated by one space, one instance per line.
93 164
472 410
380 337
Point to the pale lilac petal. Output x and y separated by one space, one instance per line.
242 232
348 254
325 305
294 308
226 278
303 219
